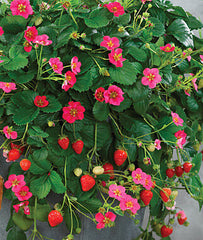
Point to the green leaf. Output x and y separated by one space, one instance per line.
40 187
136 127
83 82
16 234
125 104
23 116
180 30
137 92
125 75
137 53
14 24
15 169
37 131
197 161
25 98
92 204
141 106
100 111
21 76
72 220
22 221
56 183
39 165
16 63
158 28
98 18
194 23
42 212
192 104
53 106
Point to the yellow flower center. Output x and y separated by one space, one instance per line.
100 95
110 44
23 193
15 182
138 176
29 34
68 78
73 112
175 119
114 9
54 66
7 85
117 57
107 221
151 77
113 95
129 204
117 192
40 102
167 49
21 7
74 65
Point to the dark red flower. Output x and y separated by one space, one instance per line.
40 101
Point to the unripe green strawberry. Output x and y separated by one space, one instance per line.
98 170
77 172
78 230
196 146
151 147
131 167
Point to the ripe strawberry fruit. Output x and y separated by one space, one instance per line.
78 146
87 182
21 148
179 171
170 172
182 220
165 194
55 218
187 167
25 164
14 154
108 169
63 141
120 156
146 196
166 231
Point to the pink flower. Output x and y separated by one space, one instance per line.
21 7
114 95
23 205
116 58
56 65
23 194
129 203
188 57
1 31
10 133
7 86
176 119
171 208
157 144
110 43
27 46
181 213
1 61
102 220
73 112
194 82
151 77
16 182
201 57
148 184
70 81
66 5
99 94
5 152
138 176
41 101
115 8
116 192
30 34
181 138
42 40
167 48
75 65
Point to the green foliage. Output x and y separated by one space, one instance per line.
17 234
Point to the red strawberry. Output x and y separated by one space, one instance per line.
165 194
21 148
179 171
14 154
108 169
25 164
146 196
87 182
63 141
187 167
55 218
78 146
120 156
182 220
170 172
166 231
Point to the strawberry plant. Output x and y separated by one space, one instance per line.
97 97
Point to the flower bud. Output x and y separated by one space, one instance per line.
121 29
186 224
77 172
199 128
102 210
74 35
82 47
104 72
150 5
171 221
78 230
38 21
131 167
70 237
51 124
98 170
147 45
145 14
83 35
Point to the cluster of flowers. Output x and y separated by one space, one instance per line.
113 95
115 56
31 35
21 191
70 78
